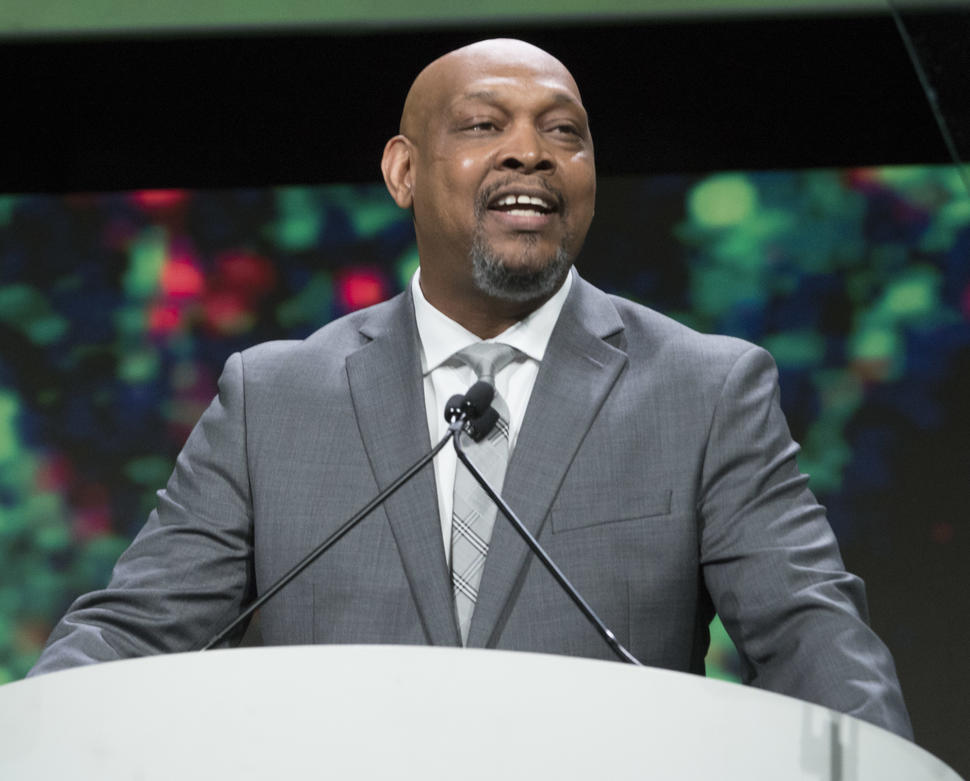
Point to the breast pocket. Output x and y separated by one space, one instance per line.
605 505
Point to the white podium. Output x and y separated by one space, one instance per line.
373 712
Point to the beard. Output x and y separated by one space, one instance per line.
499 279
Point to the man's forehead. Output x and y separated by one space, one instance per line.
473 69
473 75
552 88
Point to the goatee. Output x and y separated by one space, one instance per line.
494 277
519 282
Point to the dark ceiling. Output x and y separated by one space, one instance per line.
198 111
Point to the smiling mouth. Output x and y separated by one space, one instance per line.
523 205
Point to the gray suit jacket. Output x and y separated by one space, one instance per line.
653 463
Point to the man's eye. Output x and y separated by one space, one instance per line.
566 129
484 125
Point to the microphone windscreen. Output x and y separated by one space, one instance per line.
478 398
454 407
478 428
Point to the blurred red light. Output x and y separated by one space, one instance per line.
92 522
159 199
181 279
865 180
226 312
92 516
245 273
359 288
164 318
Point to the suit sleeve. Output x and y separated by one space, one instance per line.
772 566
189 571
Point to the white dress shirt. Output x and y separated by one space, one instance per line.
440 338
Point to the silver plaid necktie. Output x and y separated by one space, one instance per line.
473 514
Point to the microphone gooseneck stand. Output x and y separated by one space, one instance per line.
461 411
455 432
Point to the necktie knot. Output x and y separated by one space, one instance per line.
487 359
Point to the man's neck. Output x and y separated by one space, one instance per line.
483 315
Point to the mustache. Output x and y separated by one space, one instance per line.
511 181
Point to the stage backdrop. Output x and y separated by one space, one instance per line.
117 311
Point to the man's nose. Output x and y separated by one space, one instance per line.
525 150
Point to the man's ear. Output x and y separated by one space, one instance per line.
396 167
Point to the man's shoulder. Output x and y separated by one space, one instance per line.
652 336
326 348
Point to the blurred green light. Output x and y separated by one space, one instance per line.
47 329
28 310
902 176
722 201
138 366
43 508
52 537
7 204
9 440
721 649
146 260
714 291
15 300
370 218
151 471
407 264
131 320
741 249
950 220
369 208
796 349
912 295
875 343
301 219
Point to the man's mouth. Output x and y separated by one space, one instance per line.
523 205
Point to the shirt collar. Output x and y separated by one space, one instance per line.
441 337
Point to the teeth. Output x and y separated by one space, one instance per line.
512 200
524 212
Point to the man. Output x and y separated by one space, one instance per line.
652 462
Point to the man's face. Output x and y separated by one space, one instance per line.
503 178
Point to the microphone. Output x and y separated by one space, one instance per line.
455 407
478 428
460 411
479 399
483 426
475 406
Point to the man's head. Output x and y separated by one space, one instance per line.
495 159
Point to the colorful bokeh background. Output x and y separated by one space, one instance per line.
117 311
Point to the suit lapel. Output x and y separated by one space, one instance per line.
577 373
388 397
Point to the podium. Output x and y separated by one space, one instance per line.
378 712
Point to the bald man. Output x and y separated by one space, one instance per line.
651 461
492 120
